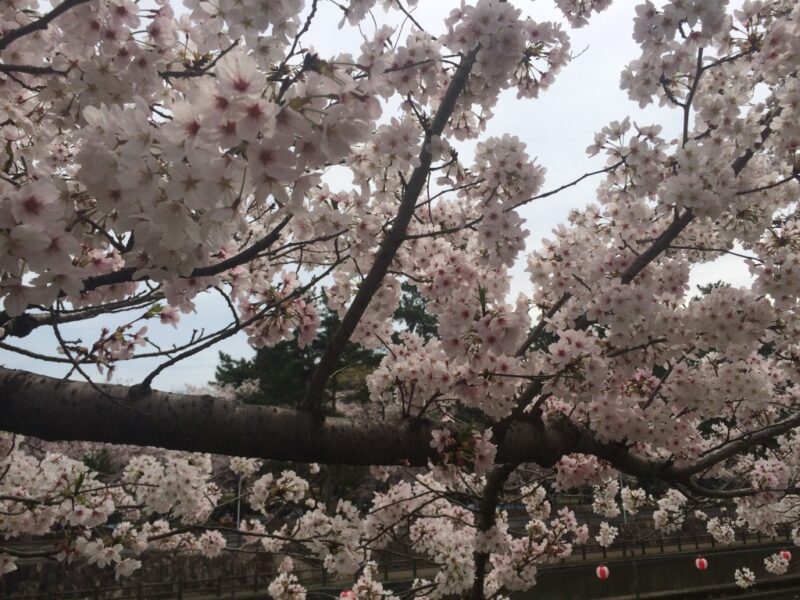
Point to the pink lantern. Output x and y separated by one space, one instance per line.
347 595
701 563
602 572
786 555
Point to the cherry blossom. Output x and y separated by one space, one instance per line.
744 578
154 158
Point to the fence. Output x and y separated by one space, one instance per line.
255 582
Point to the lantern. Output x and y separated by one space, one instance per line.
786 555
347 595
602 572
701 563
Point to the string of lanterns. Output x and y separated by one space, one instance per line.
603 572
700 563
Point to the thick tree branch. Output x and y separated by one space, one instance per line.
57 410
687 105
53 409
678 225
660 244
665 239
540 326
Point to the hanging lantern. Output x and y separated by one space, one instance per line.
785 555
602 572
701 563
347 595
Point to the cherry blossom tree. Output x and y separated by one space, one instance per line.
151 156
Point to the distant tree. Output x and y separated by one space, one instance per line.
283 370
413 313
707 288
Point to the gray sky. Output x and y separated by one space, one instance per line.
557 127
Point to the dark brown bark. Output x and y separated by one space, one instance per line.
487 517
53 409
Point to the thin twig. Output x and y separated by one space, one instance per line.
39 24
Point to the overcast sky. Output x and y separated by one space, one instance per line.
557 127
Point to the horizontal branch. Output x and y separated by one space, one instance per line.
769 186
57 410
719 250
741 444
561 188
53 409
30 70
24 324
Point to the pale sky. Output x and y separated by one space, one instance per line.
557 127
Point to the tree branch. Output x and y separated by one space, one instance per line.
486 520
561 188
30 70
39 24
390 244
28 323
52 409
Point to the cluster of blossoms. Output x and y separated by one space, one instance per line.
721 529
536 504
604 501
96 552
286 585
368 588
656 31
703 181
575 470
287 488
607 534
142 155
68 497
425 375
473 448
540 50
178 483
633 500
744 578
245 467
579 11
508 177
211 544
776 564
670 514
772 476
